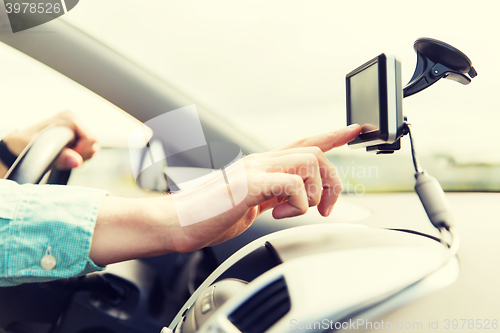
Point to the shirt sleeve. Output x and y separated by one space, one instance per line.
37 221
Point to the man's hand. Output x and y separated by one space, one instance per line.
85 147
288 181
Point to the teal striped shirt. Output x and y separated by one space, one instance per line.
41 220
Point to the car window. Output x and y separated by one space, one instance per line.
275 70
32 92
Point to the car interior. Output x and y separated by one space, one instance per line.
396 250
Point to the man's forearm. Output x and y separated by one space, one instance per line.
133 228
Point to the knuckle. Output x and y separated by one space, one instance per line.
313 159
333 135
302 210
67 114
315 150
339 187
297 181
314 201
301 142
332 172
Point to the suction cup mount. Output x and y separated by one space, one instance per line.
437 60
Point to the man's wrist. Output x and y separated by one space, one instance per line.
133 228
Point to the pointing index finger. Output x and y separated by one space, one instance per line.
329 140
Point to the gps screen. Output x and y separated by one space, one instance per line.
364 99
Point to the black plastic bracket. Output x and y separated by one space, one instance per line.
385 148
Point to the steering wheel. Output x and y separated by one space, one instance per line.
40 155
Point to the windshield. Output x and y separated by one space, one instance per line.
276 72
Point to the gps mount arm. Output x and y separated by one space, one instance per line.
437 60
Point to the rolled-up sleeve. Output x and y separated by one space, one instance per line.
46 221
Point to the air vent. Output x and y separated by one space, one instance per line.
263 309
